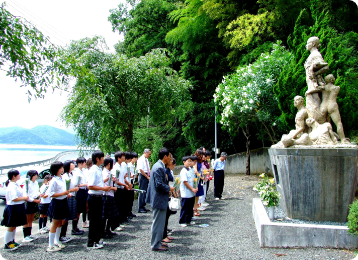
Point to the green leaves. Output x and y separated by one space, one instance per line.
26 54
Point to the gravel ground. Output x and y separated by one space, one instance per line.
231 235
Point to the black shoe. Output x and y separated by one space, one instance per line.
169 230
132 215
111 233
76 233
142 211
79 230
146 209
129 217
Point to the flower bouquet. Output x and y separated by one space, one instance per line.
78 181
117 174
177 184
46 188
195 183
109 179
128 174
27 185
268 191
68 183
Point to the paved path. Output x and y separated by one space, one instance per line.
231 235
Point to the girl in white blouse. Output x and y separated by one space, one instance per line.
58 209
14 212
31 205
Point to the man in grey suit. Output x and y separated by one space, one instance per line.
157 196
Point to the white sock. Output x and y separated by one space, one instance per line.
8 237
51 239
13 233
57 237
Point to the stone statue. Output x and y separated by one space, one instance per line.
301 116
330 107
315 66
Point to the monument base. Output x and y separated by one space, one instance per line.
283 235
315 183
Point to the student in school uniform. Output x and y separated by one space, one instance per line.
15 211
44 204
110 211
187 193
82 194
89 164
95 202
68 167
58 209
32 205
119 195
132 168
143 179
129 194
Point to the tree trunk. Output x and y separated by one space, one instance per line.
247 135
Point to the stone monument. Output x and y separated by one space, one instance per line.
316 169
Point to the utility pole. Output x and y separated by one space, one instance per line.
216 136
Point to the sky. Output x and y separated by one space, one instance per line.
62 21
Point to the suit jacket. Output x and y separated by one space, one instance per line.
158 189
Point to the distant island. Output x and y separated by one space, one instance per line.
39 135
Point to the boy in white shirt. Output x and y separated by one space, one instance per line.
187 193
44 204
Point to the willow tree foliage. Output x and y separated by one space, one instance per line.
109 102
27 55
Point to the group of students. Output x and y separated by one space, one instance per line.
67 193
106 194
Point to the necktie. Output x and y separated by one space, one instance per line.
146 162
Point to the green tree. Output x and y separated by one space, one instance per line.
26 54
245 98
109 102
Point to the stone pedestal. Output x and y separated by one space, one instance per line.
315 184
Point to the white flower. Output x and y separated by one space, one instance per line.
268 80
245 94
251 101
265 203
259 92
246 106
274 124
244 88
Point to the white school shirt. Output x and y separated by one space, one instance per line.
68 176
57 185
95 178
131 169
78 173
105 174
142 164
13 191
42 189
118 167
186 175
33 192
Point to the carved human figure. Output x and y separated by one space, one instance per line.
315 66
301 116
330 107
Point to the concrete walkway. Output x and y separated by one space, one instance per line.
231 235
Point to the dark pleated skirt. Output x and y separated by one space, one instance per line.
14 215
43 208
81 200
58 209
200 189
31 207
72 208
109 207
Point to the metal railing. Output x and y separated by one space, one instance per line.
39 163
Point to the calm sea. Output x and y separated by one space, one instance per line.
16 154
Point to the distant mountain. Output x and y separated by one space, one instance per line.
41 135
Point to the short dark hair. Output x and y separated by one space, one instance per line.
47 176
174 161
107 161
89 162
201 148
193 158
32 173
163 152
66 166
128 155
80 160
55 167
135 155
10 174
207 153
95 155
185 158
118 155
